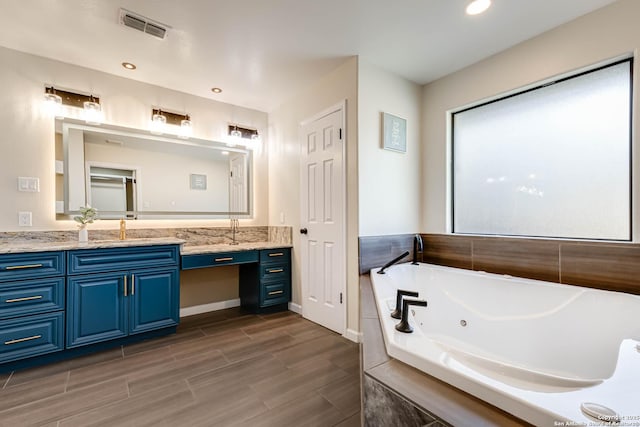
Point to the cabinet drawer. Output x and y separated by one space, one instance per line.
31 297
31 336
31 265
275 293
114 259
274 272
275 255
222 258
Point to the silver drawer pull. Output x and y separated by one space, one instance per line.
18 267
24 299
277 254
275 270
224 259
19 340
276 292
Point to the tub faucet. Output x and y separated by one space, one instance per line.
417 247
397 313
404 325
393 261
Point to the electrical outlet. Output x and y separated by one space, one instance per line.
25 219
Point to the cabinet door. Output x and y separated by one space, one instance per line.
154 299
96 308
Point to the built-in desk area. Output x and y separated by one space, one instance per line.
265 271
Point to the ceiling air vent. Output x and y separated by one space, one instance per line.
141 23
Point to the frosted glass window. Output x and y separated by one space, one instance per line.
553 161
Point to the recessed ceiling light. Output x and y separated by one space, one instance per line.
476 7
129 65
216 90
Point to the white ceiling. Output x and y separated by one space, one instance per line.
260 52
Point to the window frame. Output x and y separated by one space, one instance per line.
450 194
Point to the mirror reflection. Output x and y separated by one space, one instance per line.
129 173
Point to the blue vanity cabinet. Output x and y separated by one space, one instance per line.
32 303
266 286
97 308
117 301
154 300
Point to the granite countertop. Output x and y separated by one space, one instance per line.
245 246
21 247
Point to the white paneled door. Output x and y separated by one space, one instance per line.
322 230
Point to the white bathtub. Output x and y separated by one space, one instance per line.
535 349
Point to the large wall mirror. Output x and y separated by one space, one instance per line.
130 173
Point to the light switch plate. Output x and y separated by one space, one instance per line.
25 219
27 183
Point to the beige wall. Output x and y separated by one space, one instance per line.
284 172
389 182
27 144
601 35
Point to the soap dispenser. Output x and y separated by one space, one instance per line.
123 229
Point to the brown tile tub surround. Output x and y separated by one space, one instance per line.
603 265
376 251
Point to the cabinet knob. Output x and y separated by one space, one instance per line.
303 231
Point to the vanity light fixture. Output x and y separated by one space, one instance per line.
129 66
91 108
53 102
242 135
92 111
476 7
161 118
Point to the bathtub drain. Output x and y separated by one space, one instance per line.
463 323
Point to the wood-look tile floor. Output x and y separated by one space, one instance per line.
220 369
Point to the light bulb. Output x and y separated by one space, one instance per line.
92 113
158 122
186 129
53 105
476 7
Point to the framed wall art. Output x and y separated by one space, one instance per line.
394 133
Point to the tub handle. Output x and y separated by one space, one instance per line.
404 325
397 313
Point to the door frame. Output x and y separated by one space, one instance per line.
340 106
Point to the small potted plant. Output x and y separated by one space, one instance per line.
87 216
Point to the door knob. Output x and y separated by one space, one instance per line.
303 231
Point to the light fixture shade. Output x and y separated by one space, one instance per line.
256 137
186 128
53 105
92 112
158 123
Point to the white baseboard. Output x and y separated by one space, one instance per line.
206 308
296 308
352 335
